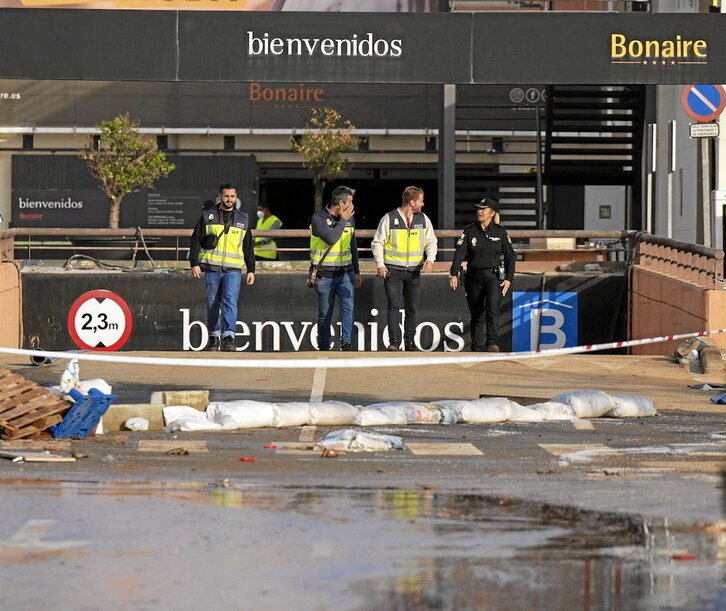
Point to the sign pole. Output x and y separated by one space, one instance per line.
706 191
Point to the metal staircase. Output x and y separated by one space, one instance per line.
594 135
502 167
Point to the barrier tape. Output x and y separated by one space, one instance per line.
343 363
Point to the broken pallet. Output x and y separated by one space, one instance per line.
26 408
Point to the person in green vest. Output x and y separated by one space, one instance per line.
403 246
338 271
266 247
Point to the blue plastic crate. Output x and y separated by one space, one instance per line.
84 414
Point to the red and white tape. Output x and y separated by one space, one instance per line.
347 362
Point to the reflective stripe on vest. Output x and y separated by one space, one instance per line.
405 247
228 251
268 250
339 255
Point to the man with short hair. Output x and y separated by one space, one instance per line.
403 246
266 247
338 271
220 248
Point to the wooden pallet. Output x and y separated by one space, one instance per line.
26 408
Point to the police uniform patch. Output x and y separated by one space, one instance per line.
211 216
473 241
460 241
509 239
395 222
329 222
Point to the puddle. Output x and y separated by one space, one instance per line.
185 545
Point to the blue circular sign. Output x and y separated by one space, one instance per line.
703 102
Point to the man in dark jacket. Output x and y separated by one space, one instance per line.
221 247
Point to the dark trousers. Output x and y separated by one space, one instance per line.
402 291
483 295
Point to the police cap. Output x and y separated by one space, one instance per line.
487 203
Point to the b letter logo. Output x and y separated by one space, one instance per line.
543 321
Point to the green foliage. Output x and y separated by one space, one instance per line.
322 147
123 161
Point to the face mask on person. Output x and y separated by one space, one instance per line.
260 214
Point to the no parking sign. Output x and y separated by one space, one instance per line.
703 103
100 320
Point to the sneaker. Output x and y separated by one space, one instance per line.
228 344
492 348
213 343
346 347
392 348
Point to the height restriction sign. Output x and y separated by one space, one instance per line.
703 102
100 320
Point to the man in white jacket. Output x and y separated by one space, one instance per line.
404 246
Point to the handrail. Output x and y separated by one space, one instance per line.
692 263
297 233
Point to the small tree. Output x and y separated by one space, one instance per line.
322 145
122 160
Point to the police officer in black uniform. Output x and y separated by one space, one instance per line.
487 249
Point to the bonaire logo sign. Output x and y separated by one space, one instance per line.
646 52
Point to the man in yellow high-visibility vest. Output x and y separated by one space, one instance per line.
403 246
220 251
266 247
339 273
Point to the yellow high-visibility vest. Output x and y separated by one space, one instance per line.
405 247
339 255
228 251
268 250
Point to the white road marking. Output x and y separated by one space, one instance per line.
31 534
318 389
307 433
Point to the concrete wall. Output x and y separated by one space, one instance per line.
9 305
662 305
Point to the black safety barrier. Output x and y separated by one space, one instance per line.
166 311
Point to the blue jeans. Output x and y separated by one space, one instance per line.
327 288
222 289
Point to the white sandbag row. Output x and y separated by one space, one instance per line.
247 414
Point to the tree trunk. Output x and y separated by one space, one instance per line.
115 214
319 187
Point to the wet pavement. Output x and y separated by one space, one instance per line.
596 514
110 545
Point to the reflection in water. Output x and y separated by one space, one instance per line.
424 549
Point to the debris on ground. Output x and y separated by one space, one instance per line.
26 408
24 456
350 440
137 423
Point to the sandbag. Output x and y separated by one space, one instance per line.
242 414
186 418
632 406
521 413
490 409
587 403
290 414
384 416
416 413
450 410
350 440
332 413
553 410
